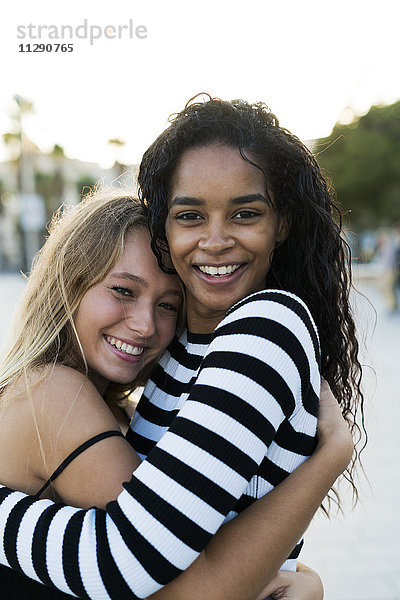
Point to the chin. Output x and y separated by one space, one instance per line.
121 379
225 305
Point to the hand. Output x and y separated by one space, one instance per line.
332 428
304 584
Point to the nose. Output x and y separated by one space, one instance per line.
216 238
140 319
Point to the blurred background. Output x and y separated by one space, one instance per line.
329 71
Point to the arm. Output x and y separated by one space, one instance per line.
238 561
161 521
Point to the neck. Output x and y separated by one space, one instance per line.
100 383
201 323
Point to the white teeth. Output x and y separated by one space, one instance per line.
218 270
134 350
123 347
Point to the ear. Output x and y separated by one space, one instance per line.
283 231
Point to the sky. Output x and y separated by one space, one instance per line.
313 62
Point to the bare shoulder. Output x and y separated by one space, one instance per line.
42 379
53 377
70 406
52 411
56 395
62 410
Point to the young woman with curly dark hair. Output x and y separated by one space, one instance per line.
312 258
230 411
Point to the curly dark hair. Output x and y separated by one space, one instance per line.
313 262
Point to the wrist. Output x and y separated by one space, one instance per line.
336 450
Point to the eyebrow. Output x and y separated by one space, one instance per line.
190 201
143 282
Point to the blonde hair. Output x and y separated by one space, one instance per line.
84 244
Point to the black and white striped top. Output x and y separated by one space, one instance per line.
248 420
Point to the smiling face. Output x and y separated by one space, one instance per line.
126 320
221 230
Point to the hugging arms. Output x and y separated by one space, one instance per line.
273 524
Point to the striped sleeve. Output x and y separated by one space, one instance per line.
262 357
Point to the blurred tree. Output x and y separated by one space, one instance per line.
21 148
50 185
46 185
58 151
116 142
16 141
362 159
84 183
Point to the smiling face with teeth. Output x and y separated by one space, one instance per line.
221 230
125 321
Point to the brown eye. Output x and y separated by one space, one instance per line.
188 216
246 214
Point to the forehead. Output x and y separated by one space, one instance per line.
216 164
137 259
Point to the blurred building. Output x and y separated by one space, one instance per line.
33 186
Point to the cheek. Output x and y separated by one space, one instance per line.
166 330
82 321
102 313
180 241
264 241
108 305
